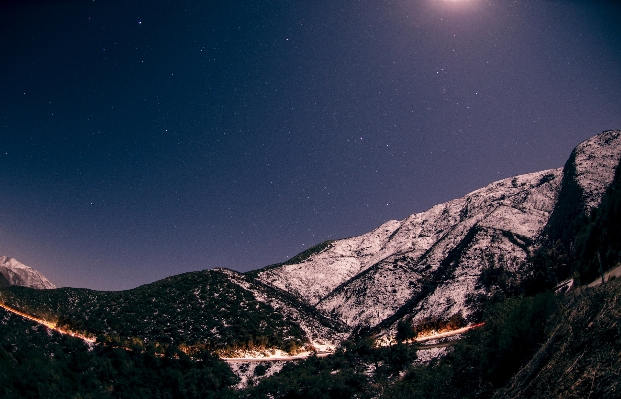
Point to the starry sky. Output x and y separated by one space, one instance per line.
142 139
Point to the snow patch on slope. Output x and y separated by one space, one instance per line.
373 297
247 371
314 278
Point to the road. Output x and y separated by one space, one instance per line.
416 341
271 359
51 326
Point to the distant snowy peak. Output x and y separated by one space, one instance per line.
595 161
13 272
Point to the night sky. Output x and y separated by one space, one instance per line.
142 139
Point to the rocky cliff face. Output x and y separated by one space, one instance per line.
432 264
13 272
587 173
595 162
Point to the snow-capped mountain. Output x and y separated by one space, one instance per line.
430 264
366 279
13 272
436 264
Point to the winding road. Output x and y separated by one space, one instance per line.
52 326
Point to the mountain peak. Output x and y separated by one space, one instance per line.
13 272
595 161
437 263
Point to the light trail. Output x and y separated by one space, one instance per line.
389 341
447 333
52 326
45 323
273 359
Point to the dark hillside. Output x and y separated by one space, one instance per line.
38 363
568 215
199 309
581 357
600 240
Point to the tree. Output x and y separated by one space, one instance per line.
405 331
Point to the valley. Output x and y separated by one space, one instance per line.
367 305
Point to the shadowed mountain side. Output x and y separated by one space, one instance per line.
580 356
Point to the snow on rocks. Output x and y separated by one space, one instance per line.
501 218
250 373
595 162
424 356
13 272
373 296
318 275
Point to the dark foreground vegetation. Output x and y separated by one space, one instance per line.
487 358
546 346
203 310
36 363
478 365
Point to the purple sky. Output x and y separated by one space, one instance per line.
142 139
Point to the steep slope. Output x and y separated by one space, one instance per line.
599 242
595 162
446 260
323 331
587 173
13 272
580 356
334 263
490 227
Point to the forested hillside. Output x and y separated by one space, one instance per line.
38 363
202 310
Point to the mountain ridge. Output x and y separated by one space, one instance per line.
421 241
443 263
369 277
